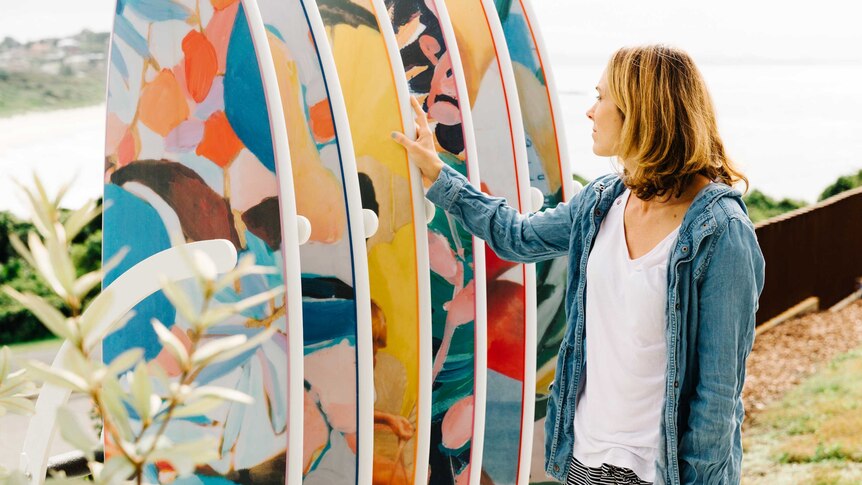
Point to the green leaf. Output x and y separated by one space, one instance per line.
210 350
125 361
21 249
15 383
57 376
74 361
172 344
244 267
4 363
94 313
75 434
47 314
141 391
220 313
248 345
16 405
118 469
44 265
222 393
115 260
79 218
179 299
95 338
198 407
40 212
204 266
85 283
62 264
61 192
184 456
112 397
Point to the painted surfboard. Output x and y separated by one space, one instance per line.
550 173
194 152
433 70
377 102
339 396
502 151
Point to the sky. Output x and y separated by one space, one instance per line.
716 31
589 30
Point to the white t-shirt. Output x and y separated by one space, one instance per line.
619 409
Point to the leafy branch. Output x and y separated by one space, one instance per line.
136 401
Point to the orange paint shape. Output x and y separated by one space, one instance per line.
220 143
115 130
127 151
201 64
322 126
222 4
162 106
219 29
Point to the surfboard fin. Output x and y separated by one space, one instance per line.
537 199
370 221
430 211
303 229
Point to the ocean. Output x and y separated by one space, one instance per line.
792 129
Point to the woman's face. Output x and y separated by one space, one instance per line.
607 121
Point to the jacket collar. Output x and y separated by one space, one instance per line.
699 220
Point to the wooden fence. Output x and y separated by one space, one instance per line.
812 252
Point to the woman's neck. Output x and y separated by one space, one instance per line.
671 201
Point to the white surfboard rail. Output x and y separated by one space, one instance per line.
129 289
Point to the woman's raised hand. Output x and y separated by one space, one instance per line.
422 151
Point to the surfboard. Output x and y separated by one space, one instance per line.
196 150
550 173
377 103
338 428
434 75
502 151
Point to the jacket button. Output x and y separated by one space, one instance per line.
676 306
556 468
685 249
598 213
675 383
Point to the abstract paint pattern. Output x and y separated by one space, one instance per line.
547 170
189 157
374 111
330 309
432 78
511 287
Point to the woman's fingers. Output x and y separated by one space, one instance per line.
402 140
420 113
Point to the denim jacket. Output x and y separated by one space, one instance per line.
715 276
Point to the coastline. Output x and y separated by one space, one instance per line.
59 145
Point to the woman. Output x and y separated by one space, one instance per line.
664 277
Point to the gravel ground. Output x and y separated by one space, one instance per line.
785 355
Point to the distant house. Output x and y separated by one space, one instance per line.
69 46
40 48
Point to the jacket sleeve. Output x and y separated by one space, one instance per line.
513 236
727 302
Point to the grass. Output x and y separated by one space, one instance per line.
814 434
36 91
52 343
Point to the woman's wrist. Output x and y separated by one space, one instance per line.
434 169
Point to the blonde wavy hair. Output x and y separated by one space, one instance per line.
669 129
